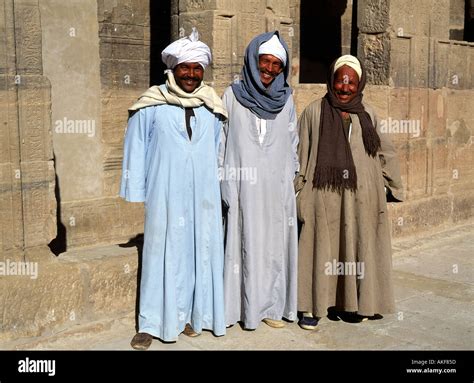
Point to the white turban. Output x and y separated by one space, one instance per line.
187 49
275 48
350 61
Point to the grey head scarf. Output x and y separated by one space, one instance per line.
266 103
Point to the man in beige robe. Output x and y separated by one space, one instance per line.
349 170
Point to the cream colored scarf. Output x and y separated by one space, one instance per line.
174 95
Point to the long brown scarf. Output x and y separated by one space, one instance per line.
335 169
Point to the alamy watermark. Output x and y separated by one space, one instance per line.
345 268
401 126
28 365
245 174
14 268
67 126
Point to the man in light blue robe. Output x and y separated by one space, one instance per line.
258 164
170 163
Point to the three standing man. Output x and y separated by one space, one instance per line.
178 141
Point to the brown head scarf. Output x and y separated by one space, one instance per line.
335 169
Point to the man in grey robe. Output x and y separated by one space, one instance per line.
259 163
349 169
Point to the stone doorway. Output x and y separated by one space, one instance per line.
328 30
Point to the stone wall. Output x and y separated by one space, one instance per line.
422 78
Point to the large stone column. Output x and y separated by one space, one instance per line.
27 201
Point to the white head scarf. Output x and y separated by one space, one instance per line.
350 61
187 49
275 48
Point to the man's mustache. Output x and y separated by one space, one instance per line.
190 78
341 92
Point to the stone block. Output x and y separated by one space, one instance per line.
34 105
28 38
125 33
226 65
398 110
459 104
402 149
39 202
113 177
115 104
463 207
462 172
441 68
11 224
373 16
416 19
439 15
437 113
423 18
110 224
378 98
279 7
125 75
419 116
399 103
174 27
458 76
256 7
295 16
75 288
442 173
419 61
9 132
34 306
286 27
374 51
128 49
174 7
418 216
249 25
454 65
101 222
123 12
8 57
416 185
306 94
400 61
456 12
113 284
197 5
202 21
132 214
